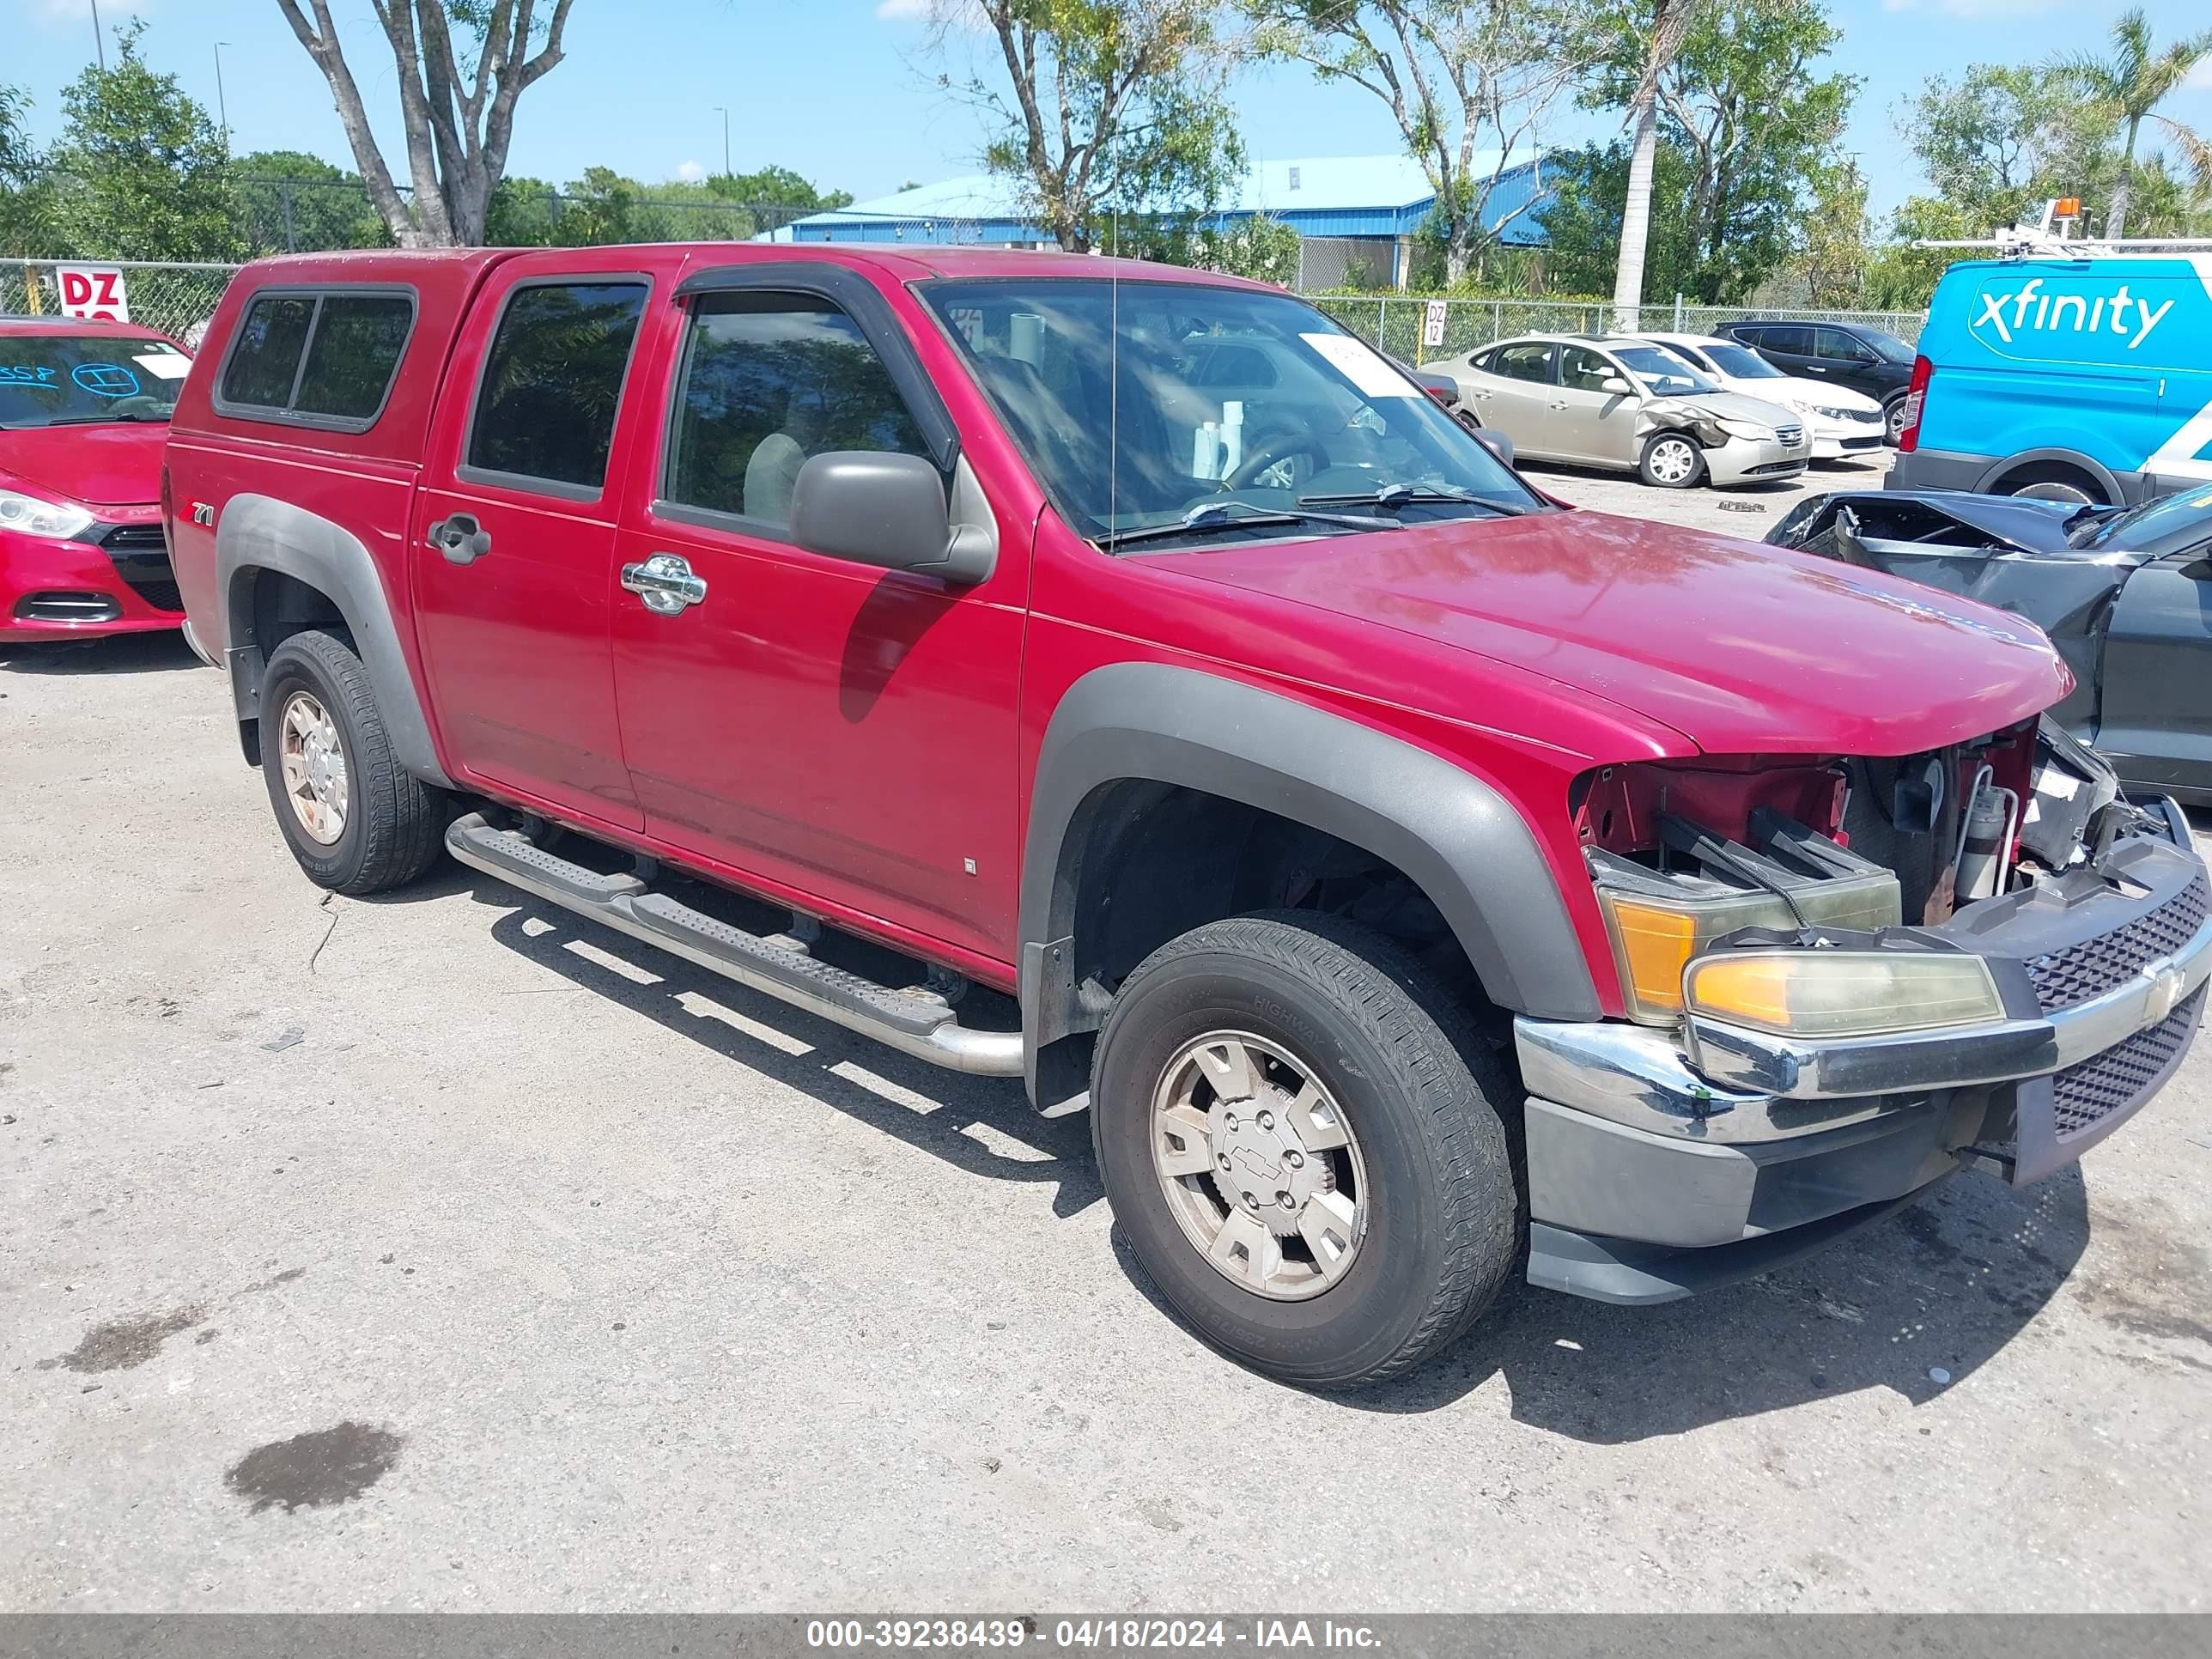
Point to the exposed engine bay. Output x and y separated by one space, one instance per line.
1838 850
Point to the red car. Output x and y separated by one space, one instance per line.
1125 681
84 410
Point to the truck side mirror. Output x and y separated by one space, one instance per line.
1496 442
887 510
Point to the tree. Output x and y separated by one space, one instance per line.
1106 108
1256 246
1468 82
1744 140
290 201
1664 25
144 171
2130 86
459 121
26 195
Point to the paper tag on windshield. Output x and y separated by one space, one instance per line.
1359 364
166 365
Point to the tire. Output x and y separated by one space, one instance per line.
1665 473
1429 1169
1893 420
389 829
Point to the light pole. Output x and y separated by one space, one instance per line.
222 105
725 114
99 41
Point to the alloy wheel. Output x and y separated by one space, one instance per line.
313 760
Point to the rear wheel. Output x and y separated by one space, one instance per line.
356 821
1301 1137
1671 460
2053 482
1892 420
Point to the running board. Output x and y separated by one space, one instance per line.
914 1024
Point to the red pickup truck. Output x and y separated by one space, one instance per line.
1123 679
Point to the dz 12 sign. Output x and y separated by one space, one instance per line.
94 292
1432 323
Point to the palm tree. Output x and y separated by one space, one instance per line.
2130 85
1670 24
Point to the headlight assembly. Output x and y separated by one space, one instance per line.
33 516
1843 993
1656 933
1752 430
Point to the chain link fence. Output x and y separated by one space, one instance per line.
176 299
1399 323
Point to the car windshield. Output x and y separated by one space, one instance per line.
1740 363
1663 372
2168 524
71 379
1210 402
1888 346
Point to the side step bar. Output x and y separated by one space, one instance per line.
914 1024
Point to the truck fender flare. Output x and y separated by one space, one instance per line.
1466 846
258 533
2115 492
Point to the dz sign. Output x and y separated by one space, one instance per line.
93 292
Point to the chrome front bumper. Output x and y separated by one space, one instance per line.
1715 1135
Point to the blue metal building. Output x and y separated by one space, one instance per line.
1362 209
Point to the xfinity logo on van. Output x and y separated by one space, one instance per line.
2028 308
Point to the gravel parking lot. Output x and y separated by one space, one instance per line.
440 1252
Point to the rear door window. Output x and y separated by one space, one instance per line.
1529 361
768 381
552 383
1789 339
317 358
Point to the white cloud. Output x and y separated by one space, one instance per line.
2201 76
902 11
691 172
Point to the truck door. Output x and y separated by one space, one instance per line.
2156 717
512 542
812 725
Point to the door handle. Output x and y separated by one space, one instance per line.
461 539
666 583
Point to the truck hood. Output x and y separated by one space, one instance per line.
116 463
1741 648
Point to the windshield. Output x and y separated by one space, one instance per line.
2167 524
1887 345
67 379
1739 363
1205 397
1663 372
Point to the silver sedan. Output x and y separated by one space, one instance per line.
1600 401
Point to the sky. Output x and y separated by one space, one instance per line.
837 90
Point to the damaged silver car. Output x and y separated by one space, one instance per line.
2125 594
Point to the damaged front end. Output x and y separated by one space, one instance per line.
1844 979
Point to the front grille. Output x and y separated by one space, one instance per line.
141 557
1791 436
2083 1096
2109 961
60 606
1775 466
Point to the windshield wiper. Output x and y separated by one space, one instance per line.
1216 515
1393 496
98 420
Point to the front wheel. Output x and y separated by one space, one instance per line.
1892 421
1671 460
356 821
1300 1135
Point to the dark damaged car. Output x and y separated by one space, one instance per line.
2125 594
